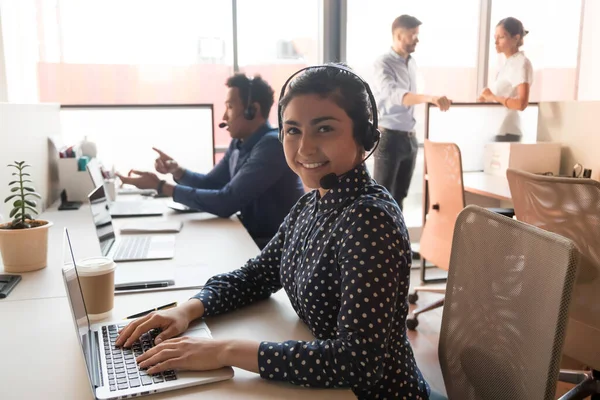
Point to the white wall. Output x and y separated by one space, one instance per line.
24 136
575 125
589 79
3 87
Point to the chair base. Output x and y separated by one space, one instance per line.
413 322
588 384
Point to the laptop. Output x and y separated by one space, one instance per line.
124 208
126 247
113 372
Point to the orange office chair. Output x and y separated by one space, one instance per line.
570 207
446 198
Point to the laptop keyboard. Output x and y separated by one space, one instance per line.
123 370
133 247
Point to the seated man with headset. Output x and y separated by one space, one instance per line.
253 177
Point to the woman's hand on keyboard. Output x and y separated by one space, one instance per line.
183 353
171 322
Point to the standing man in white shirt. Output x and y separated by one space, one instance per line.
395 91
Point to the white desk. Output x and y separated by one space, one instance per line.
39 348
487 185
206 245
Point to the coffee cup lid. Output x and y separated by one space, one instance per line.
95 266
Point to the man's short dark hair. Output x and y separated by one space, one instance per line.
262 92
406 22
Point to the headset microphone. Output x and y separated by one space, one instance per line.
223 125
328 181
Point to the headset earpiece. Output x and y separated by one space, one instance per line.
250 112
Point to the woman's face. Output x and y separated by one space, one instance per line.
318 139
504 41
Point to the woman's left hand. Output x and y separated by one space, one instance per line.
183 353
487 95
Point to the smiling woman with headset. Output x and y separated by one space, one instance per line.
342 255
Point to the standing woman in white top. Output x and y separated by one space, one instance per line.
514 79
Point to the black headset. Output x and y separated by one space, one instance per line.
250 111
372 134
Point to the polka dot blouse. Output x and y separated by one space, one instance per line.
344 262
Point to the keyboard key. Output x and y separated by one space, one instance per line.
122 380
157 379
134 383
170 378
122 386
113 388
121 375
146 380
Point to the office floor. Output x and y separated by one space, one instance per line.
425 339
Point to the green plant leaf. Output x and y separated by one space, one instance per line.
25 174
27 180
19 163
13 182
15 189
29 189
12 196
32 209
28 216
13 212
25 166
34 194
18 203
12 165
31 203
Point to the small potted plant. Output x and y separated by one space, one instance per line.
24 240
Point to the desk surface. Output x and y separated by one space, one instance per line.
487 185
43 342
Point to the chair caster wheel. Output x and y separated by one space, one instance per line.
412 323
412 298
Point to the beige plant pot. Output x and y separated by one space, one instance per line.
24 250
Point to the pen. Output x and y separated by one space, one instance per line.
142 285
141 314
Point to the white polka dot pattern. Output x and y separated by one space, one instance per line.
344 262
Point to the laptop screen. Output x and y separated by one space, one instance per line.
102 219
75 296
95 172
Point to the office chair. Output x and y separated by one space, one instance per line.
507 304
570 207
446 195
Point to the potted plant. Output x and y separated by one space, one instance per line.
24 240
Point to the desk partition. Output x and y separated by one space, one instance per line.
472 125
125 134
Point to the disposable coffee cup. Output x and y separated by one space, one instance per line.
97 279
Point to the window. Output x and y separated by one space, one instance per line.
136 52
551 45
290 41
446 57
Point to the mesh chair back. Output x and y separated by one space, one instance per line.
571 208
507 298
446 200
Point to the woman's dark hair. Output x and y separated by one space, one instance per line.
514 27
262 93
344 88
